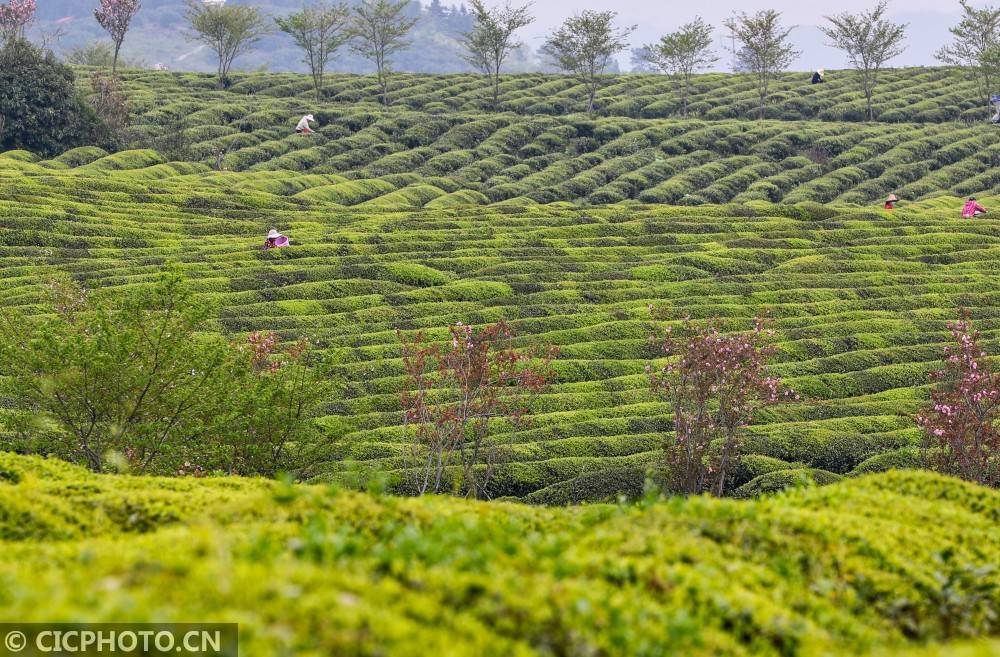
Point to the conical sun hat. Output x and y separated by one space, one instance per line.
273 234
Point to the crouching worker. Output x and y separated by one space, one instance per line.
890 203
819 77
275 240
303 126
972 208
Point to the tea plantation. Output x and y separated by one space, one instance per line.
570 227
863 567
860 298
437 147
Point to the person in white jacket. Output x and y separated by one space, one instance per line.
303 127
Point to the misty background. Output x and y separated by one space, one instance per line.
157 34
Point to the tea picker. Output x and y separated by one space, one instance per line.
302 127
995 102
275 240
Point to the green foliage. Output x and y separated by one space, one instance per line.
228 30
311 569
778 480
137 384
40 109
319 30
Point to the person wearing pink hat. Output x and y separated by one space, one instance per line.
275 240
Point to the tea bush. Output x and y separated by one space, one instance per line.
861 567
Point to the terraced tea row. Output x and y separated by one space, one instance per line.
857 568
860 299
925 95
411 159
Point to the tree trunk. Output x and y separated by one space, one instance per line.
114 62
687 94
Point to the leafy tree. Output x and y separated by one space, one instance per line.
379 29
453 392
960 424
40 109
714 384
492 39
15 16
762 47
584 45
977 37
319 30
229 30
139 381
115 16
870 40
683 53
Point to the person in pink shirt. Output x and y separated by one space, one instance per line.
972 208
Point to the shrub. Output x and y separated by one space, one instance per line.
780 480
602 485
137 384
905 458
40 108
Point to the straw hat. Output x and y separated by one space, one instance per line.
273 234
821 71
892 197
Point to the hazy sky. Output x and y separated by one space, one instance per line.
929 21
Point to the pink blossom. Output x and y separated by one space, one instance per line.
14 17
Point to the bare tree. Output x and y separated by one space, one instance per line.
48 36
115 16
870 40
584 45
319 30
683 53
977 35
492 39
762 47
378 30
229 30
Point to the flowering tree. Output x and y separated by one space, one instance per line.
454 391
278 396
714 384
960 422
14 17
115 16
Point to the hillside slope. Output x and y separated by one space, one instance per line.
309 570
441 133
860 299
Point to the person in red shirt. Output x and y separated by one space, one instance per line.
972 208
890 203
